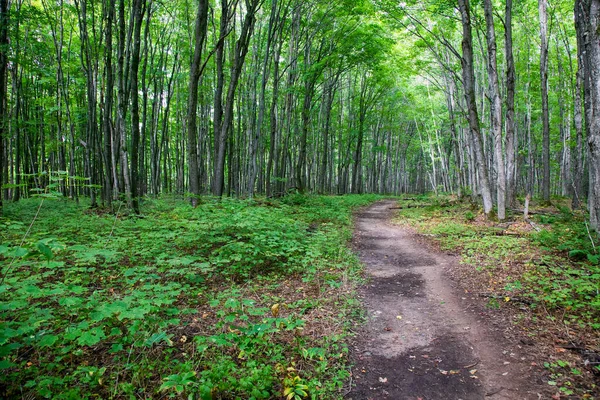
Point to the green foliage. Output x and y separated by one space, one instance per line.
566 277
176 303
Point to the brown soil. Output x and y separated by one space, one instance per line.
424 338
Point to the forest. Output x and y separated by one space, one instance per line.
119 100
162 164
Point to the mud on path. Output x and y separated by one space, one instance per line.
423 340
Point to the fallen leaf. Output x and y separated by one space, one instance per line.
473 371
275 310
560 350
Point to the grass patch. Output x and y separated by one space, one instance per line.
233 299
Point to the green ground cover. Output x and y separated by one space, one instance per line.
233 299
546 272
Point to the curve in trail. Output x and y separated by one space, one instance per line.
421 340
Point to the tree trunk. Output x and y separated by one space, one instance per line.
4 16
139 8
241 49
108 104
271 33
543 12
587 17
496 108
199 36
468 75
122 96
511 176
577 180
220 77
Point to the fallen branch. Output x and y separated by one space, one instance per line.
420 205
530 212
533 224
515 299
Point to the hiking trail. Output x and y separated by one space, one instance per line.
424 338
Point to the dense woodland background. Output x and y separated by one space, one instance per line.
119 99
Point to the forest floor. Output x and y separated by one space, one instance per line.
431 334
261 299
248 299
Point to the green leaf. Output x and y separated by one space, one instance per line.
17 252
48 340
5 364
70 301
45 250
91 337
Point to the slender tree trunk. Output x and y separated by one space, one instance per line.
511 176
122 97
274 125
496 108
4 16
108 103
241 49
139 8
271 32
468 75
220 77
192 130
543 13
90 68
577 180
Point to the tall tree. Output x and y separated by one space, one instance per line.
139 9
192 107
4 19
587 23
543 13
511 139
468 77
496 108
241 49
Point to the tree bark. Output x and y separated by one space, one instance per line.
4 19
511 138
577 180
271 33
468 75
139 8
122 98
587 23
543 13
241 49
496 108
199 36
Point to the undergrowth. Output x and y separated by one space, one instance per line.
553 271
233 299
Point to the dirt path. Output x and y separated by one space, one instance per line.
423 340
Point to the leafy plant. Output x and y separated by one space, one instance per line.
92 299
